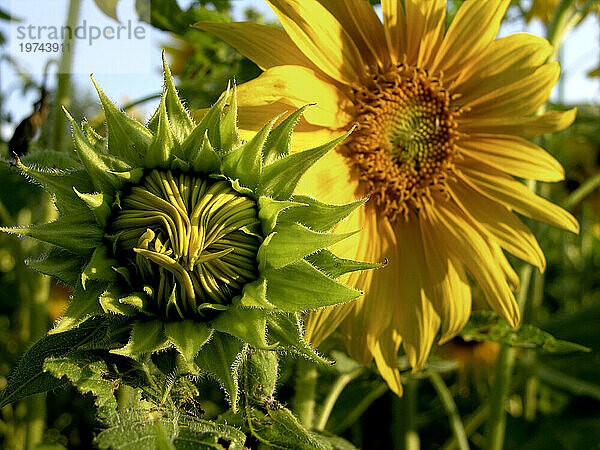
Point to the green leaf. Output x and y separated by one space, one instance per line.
319 216
100 173
334 267
100 267
228 131
203 158
28 377
164 144
279 142
88 377
180 121
100 143
300 287
280 178
61 185
45 160
261 372
110 301
98 204
247 324
245 162
108 7
60 264
188 336
83 305
254 295
291 242
221 359
69 233
488 326
127 138
269 211
287 330
146 337
210 122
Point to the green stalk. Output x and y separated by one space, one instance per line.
454 418
358 409
306 390
334 394
404 411
63 86
472 424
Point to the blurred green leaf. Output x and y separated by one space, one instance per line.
488 326
108 7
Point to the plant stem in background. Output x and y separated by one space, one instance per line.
63 85
334 393
404 411
306 389
456 423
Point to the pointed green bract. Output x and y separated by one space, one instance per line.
335 267
229 138
164 145
221 359
188 336
179 118
319 216
270 210
99 205
247 324
279 142
84 304
60 264
287 330
146 337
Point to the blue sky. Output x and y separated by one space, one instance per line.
581 54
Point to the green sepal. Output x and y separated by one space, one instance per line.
269 211
188 336
300 286
261 371
179 118
291 242
138 300
247 324
279 142
60 184
99 268
99 171
60 264
319 216
50 159
127 138
83 305
245 162
99 204
146 337
164 144
288 331
68 232
210 122
100 143
334 267
110 303
228 132
205 160
280 178
254 295
222 359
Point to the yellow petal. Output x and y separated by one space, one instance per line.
504 62
521 98
265 45
466 246
385 353
318 34
502 224
450 291
414 317
297 86
527 127
474 27
514 155
393 20
516 196
364 27
425 29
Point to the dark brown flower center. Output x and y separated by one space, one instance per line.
404 145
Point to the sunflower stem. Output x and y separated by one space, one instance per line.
64 81
404 432
451 409
337 388
306 389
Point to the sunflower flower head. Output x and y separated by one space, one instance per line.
444 116
195 238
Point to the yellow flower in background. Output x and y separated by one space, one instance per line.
443 121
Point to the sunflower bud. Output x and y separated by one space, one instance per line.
195 237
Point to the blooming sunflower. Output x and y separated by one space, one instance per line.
193 238
444 118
